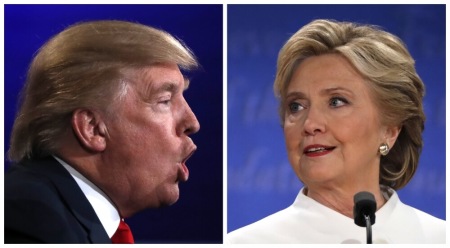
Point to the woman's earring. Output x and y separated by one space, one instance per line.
384 149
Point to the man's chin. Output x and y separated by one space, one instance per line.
171 197
168 202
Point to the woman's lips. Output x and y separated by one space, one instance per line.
317 150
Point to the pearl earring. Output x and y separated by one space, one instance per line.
384 149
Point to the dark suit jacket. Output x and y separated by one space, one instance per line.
44 204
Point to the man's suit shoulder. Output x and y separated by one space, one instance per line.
36 211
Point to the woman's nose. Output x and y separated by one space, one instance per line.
314 122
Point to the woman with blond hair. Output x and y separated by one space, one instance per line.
352 114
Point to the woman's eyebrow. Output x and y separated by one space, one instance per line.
328 91
296 94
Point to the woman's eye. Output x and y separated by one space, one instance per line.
295 107
337 102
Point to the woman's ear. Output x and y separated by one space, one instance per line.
391 135
90 129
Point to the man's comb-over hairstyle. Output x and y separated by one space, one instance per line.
84 67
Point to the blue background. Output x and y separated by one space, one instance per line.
260 179
197 216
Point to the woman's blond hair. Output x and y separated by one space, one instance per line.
384 61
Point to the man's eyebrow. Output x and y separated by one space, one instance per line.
167 86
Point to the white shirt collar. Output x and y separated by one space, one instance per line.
103 207
382 213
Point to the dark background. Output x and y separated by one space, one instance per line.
197 216
260 179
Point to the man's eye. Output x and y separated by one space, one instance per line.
166 99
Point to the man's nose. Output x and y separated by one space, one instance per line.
191 124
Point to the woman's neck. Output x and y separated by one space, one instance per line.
341 201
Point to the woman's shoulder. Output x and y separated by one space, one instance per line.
429 221
423 217
433 228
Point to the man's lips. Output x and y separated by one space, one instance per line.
183 173
191 151
317 150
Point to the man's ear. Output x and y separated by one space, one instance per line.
90 129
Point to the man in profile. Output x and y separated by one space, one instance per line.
102 133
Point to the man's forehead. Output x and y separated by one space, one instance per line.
172 86
160 76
